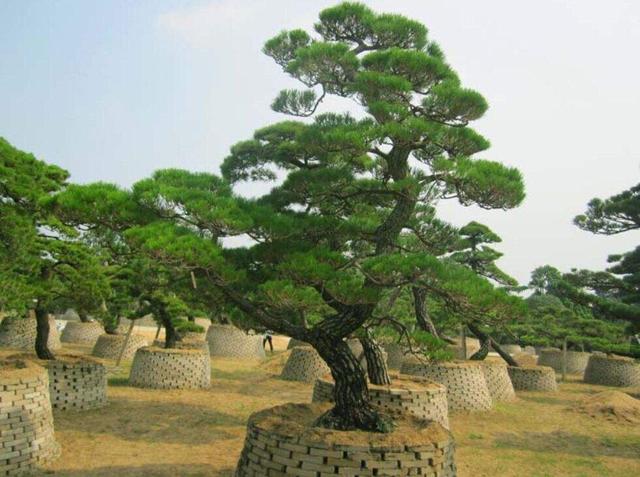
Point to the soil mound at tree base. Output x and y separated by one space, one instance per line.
283 441
613 406
525 359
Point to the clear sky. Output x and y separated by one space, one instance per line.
114 89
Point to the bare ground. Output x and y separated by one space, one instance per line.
200 433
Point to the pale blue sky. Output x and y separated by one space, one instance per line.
113 89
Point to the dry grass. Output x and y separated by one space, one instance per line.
545 435
200 433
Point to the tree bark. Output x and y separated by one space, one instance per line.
42 334
482 352
84 318
422 316
376 365
352 410
171 336
111 328
482 336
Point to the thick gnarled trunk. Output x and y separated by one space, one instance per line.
42 334
352 410
376 365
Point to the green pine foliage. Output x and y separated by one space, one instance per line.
43 263
350 212
614 293
558 310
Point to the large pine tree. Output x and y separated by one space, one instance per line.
326 243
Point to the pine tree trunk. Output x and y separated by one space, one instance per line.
42 335
171 336
376 365
482 336
83 317
111 327
422 316
352 410
482 353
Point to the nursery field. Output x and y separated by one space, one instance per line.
145 432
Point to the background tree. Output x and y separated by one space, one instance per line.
473 251
557 311
104 214
617 214
616 292
552 321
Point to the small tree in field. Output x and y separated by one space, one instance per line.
474 251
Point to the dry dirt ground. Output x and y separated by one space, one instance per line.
200 433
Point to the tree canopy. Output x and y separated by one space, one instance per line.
351 215
44 266
326 241
616 291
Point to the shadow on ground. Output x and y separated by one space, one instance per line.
569 443
156 421
196 470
